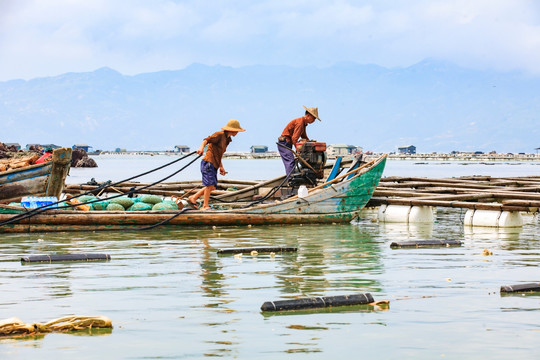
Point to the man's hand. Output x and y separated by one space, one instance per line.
222 171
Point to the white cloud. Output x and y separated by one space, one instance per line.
42 38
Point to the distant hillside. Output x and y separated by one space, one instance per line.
432 105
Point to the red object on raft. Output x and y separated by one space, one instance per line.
318 146
44 158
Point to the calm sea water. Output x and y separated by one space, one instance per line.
171 296
120 167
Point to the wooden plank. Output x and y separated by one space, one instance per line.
31 171
61 161
15 191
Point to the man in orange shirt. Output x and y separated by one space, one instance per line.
211 162
295 130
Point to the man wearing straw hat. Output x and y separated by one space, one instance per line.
295 130
211 162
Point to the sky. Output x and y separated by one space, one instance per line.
40 38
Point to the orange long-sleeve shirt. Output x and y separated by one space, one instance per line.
296 129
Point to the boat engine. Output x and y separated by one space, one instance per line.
314 154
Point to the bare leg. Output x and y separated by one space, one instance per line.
193 198
207 191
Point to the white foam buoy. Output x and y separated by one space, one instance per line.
490 218
396 213
510 219
380 212
405 214
467 220
421 214
486 218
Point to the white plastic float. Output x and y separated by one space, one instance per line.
490 218
405 214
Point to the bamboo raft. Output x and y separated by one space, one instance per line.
338 199
468 192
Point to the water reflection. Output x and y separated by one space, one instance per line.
91 332
211 271
330 258
166 282
407 231
503 235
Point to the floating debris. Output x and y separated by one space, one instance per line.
15 327
318 302
529 287
424 243
65 257
258 249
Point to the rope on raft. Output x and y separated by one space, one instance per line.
15 327
39 210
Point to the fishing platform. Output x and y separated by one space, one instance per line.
490 201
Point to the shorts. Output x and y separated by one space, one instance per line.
209 173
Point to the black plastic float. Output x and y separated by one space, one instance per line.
318 302
65 257
529 287
424 243
260 249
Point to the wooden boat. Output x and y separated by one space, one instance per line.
335 201
45 179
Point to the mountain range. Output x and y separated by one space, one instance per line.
433 105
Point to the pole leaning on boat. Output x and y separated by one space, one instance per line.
61 161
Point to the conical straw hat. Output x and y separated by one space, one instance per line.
233 125
313 111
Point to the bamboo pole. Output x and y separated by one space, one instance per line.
529 203
436 182
394 193
462 197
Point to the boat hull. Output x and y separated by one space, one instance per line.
31 180
45 179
